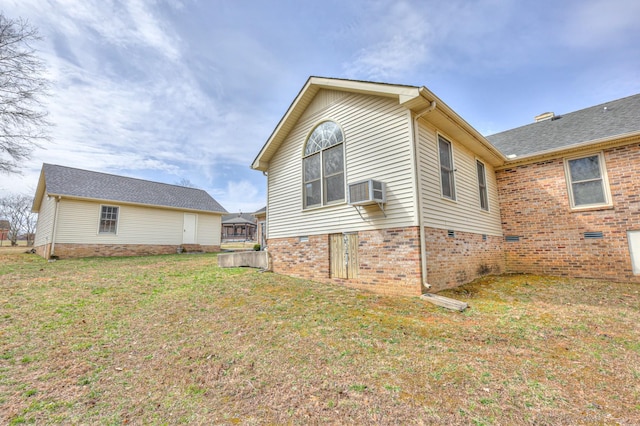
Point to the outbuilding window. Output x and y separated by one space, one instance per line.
586 180
108 220
323 166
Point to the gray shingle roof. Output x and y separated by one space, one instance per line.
239 218
60 180
620 116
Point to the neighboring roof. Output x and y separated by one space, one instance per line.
262 211
615 119
84 184
4 224
417 99
237 220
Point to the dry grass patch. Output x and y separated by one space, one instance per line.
175 339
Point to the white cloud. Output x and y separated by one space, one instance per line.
403 37
239 196
397 43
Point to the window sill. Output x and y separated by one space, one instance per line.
314 208
591 208
450 200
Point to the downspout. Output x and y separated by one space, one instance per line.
265 228
423 242
53 231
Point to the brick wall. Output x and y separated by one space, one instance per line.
461 258
389 260
534 204
64 250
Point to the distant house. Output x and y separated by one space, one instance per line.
386 188
261 231
238 227
84 213
4 229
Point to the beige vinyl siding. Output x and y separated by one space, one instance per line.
463 214
44 225
78 223
377 146
209 229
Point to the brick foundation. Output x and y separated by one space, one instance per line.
64 250
389 260
534 204
459 259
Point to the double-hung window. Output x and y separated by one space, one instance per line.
447 178
108 220
482 185
586 181
323 166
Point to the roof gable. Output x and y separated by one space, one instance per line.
611 120
84 184
419 100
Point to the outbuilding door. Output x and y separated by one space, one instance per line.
189 229
343 250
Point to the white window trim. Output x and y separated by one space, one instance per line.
324 204
117 219
605 182
486 185
453 168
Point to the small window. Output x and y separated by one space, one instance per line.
323 166
482 185
447 178
586 180
108 220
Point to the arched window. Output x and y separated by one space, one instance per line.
323 165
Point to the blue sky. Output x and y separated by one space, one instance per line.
188 89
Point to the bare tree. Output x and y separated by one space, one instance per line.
17 210
23 119
186 182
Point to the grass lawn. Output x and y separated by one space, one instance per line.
175 339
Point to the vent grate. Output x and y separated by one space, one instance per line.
451 233
512 238
593 235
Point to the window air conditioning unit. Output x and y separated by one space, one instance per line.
367 192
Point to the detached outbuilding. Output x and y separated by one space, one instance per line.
83 213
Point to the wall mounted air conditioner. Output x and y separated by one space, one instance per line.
367 192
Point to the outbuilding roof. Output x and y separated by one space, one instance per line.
615 119
84 184
236 220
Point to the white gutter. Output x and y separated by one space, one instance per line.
418 177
